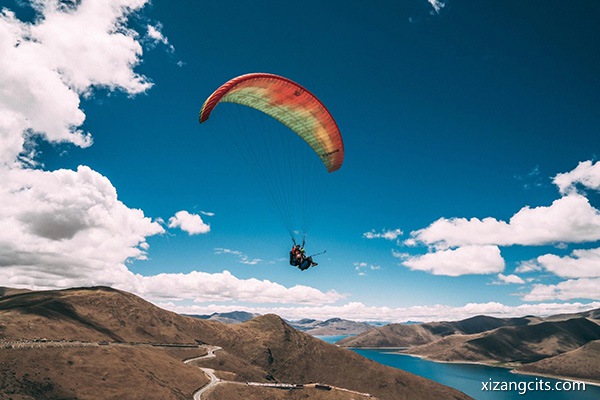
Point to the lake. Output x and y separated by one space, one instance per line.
468 378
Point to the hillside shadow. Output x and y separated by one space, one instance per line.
49 307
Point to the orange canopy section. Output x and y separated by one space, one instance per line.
290 104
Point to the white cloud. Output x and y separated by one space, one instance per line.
580 264
437 5
384 234
361 267
584 288
46 65
190 223
570 219
586 173
243 258
360 312
527 266
66 228
455 262
509 279
156 36
205 287
154 32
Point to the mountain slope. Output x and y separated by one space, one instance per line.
290 356
234 317
401 335
96 372
512 344
264 348
581 363
332 326
533 342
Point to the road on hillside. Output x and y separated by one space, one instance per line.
208 371
214 380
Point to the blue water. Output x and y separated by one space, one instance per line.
468 378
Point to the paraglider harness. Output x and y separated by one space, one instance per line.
299 259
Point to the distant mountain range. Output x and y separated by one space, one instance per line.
101 343
330 327
566 345
234 317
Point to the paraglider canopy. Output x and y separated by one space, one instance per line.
290 104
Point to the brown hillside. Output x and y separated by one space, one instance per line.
591 314
95 314
582 363
393 335
264 348
513 344
290 356
401 335
6 291
534 342
99 372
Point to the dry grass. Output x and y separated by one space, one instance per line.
262 349
582 363
233 391
103 372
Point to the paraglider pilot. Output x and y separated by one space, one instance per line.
298 257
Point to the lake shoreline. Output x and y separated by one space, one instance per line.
512 369
461 375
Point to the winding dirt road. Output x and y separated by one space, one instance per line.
214 380
208 371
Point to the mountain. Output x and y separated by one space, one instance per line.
581 363
591 314
513 344
234 317
403 335
330 327
6 291
564 345
94 343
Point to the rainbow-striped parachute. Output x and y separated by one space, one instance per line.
290 104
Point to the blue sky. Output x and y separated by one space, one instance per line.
470 182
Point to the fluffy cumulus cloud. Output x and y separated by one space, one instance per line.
66 228
580 264
190 223
45 66
360 312
384 234
569 219
205 287
455 262
586 174
583 288
83 235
